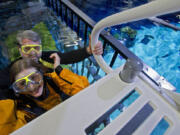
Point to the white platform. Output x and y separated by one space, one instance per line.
77 113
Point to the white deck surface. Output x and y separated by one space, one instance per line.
74 115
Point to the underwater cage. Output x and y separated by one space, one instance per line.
83 25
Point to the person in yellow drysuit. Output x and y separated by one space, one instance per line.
37 91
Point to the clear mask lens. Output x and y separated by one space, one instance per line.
22 85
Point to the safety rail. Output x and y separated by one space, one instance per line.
82 24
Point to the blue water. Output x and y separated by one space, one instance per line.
157 46
161 52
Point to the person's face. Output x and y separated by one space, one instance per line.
29 82
30 49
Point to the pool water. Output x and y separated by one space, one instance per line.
161 52
156 45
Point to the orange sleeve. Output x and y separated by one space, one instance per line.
69 82
11 119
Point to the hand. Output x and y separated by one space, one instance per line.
56 59
98 48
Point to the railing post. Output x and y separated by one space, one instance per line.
72 20
48 2
56 7
85 42
104 46
52 5
65 16
114 58
85 34
60 12
78 26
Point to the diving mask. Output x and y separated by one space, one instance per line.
22 84
31 47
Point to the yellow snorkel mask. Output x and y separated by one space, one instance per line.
31 47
